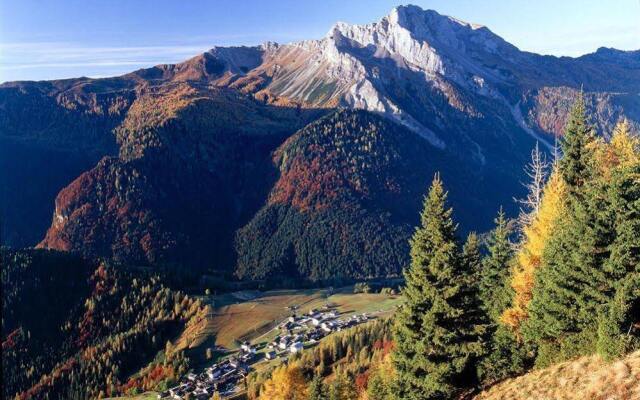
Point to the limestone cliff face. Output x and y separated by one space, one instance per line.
419 56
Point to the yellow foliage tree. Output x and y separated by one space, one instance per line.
381 380
286 383
529 256
620 152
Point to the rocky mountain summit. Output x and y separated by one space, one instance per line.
362 66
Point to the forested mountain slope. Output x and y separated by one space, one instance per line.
74 328
193 164
346 200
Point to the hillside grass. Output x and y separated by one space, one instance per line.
587 378
252 315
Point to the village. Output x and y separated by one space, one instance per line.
293 335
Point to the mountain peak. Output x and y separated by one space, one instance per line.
607 55
412 16
413 28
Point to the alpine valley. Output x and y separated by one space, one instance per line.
411 209
296 160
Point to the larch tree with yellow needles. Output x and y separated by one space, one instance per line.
529 255
286 383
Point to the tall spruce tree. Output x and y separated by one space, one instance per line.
471 256
624 203
495 291
575 164
572 285
439 328
505 356
618 330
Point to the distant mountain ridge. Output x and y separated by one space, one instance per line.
192 163
353 65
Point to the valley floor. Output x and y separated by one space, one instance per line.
252 315
255 316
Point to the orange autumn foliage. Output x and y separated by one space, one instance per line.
621 151
286 383
529 256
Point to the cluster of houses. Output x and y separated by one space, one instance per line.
309 328
294 332
222 377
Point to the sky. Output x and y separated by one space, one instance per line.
52 39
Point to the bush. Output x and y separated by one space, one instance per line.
361 287
388 291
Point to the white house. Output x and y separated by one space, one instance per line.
331 314
296 347
246 347
327 326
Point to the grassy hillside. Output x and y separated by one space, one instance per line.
251 315
584 378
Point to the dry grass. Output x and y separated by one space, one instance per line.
252 318
587 378
248 316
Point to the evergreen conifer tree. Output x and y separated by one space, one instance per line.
317 389
624 202
618 331
575 164
572 285
471 256
506 357
439 327
494 289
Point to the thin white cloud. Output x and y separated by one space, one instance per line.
52 52
80 64
37 60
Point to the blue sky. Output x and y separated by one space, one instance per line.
48 39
